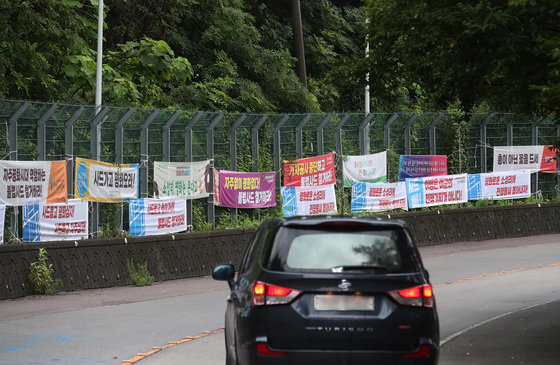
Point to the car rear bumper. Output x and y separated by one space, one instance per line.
249 356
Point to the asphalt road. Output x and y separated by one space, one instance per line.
497 300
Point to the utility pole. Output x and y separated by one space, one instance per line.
99 69
298 38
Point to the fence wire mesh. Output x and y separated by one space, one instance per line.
252 142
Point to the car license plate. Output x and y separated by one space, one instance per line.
343 303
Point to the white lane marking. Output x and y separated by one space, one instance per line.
463 331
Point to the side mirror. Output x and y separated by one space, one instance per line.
224 272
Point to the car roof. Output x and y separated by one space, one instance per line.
369 221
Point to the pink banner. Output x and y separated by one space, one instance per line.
247 189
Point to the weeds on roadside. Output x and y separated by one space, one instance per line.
139 273
41 275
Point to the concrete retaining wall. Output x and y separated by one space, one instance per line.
101 263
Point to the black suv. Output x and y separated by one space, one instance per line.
330 290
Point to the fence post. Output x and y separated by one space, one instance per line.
233 142
144 153
167 135
276 142
13 151
407 133
188 156
387 130
535 142
509 128
364 134
483 154
210 155
299 135
42 132
433 133
338 132
95 135
320 135
69 148
119 135
255 141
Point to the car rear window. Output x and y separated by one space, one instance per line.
307 249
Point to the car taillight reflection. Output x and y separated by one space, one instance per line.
417 296
267 294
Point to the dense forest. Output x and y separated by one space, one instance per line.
242 55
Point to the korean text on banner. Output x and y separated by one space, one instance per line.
312 200
367 168
247 189
105 182
25 182
312 171
421 166
367 197
500 185
2 220
532 158
189 180
439 190
54 222
157 216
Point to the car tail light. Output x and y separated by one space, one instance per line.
262 349
417 296
267 294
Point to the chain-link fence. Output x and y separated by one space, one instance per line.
250 142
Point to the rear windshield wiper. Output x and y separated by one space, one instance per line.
358 268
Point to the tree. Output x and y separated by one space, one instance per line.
502 52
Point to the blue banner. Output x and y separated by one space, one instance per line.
31 231
136 210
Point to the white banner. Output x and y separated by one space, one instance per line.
55 222
310 200
189 180
379 197
105 182
436 190
157 216
367 168
25 182
2 220
500 185
532 158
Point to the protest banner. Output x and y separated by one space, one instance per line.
312 200
246 189
2 220
55 222
150 217
378 197
188 180
439 190
366 168
421 166
500 185
25 182
105 182
532 158
312 171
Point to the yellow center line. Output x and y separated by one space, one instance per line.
493 274
170 344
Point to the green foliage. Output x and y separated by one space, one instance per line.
454 133
138 273
41 275
504 53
